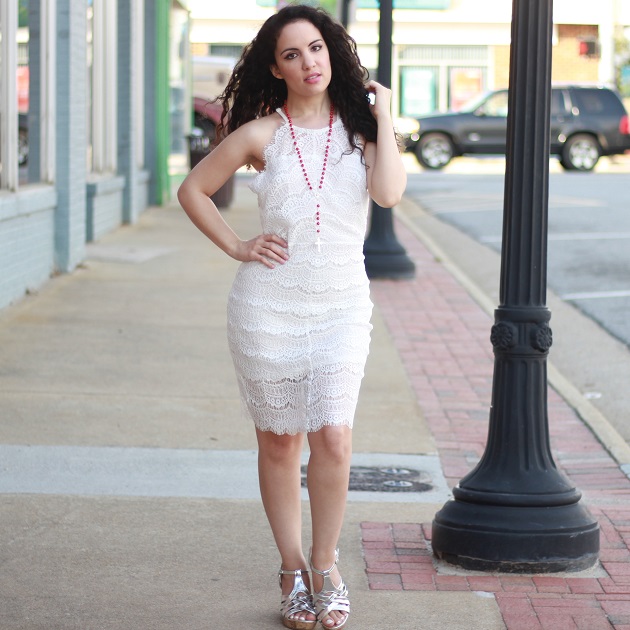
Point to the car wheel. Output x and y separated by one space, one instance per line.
580 153
22 147
434 151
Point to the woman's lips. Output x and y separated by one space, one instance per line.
312 78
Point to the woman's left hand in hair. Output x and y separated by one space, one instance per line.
382 99
386 176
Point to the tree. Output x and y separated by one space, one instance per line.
23 13
622 62
328 5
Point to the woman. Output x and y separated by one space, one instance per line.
298 111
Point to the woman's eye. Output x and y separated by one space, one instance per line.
316 48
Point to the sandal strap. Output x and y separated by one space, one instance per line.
294 572
299 599
325 572
331 597
336 599
301 603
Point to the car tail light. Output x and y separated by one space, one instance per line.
624 125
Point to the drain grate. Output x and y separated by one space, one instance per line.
385 479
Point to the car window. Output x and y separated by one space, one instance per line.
557 102
594 101
472 105
496 105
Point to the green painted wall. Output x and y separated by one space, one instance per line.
162 95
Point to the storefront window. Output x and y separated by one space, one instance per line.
9 173
418 88
26 100
440 78
464 84
178 87
23 89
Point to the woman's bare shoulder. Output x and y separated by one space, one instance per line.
257 134
259 127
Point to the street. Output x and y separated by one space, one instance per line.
589 227
460 210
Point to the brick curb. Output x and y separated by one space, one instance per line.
442 336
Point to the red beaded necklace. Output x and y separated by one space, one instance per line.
321 179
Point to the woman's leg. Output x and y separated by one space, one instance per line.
328 477
279 458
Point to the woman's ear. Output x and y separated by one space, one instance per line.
275 71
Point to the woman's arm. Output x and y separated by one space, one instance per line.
243 146
386 173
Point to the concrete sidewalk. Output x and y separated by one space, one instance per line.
128 495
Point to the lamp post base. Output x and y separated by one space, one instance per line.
516 539
385 257
396 266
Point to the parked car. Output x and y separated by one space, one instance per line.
207 115
586 123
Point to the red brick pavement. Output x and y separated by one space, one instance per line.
442 335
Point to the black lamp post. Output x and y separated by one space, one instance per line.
385 257
344 12
515 511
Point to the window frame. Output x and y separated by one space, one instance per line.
48 81
9 121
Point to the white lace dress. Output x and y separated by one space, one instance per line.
299 334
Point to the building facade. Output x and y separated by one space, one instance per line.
445 51
92 118
95 98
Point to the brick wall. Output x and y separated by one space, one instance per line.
567 64
26 243
104 207
501 66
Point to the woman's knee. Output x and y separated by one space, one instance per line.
279 449
332 442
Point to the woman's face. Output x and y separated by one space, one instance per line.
302 59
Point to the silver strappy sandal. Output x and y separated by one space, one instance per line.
298 601
331 597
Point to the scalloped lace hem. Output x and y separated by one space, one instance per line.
305 404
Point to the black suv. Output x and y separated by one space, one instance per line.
586 123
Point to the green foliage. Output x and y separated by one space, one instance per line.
622 63
329 5
23 13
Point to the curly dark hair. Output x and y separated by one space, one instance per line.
253 92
